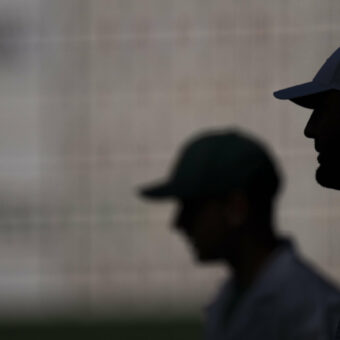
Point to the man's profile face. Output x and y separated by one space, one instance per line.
206 223
324 127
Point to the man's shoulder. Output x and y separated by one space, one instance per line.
305 286
310 299
310 277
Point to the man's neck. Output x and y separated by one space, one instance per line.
251 260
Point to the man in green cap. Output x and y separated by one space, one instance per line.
226 183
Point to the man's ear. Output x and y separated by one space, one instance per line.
236 208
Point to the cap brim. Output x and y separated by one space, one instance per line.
160 191
306 95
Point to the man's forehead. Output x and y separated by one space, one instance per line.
194 201
200 201
334 96
326 100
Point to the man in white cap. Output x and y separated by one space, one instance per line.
226 185
322 95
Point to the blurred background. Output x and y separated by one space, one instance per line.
96 96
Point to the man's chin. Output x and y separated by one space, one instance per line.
206 256
328 178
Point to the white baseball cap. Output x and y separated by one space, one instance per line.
327 78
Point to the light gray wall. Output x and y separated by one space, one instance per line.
97 96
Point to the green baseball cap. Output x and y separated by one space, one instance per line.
214 163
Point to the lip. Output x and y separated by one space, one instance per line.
321 158
317 145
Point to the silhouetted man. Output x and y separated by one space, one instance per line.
322 95
226 184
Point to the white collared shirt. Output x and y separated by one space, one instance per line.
289 300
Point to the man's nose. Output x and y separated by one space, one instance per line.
182 221
311 127
178 220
